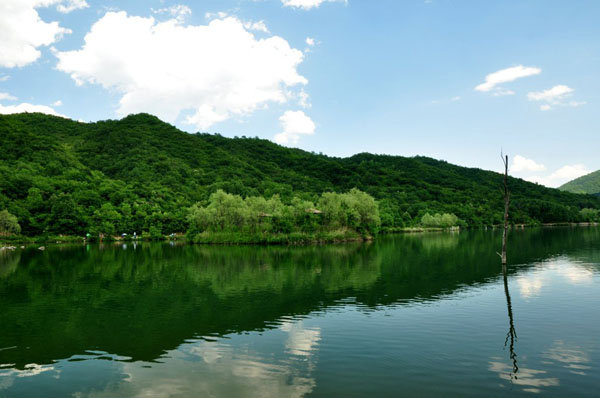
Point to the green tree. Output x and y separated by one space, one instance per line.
303 217
439 220
428 221
229 210
448 220
155 233
65 216
200 219
38 210
362 211
387 215
334 213
9 224
589 215
105 220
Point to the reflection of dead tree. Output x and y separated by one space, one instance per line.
512 333
506 204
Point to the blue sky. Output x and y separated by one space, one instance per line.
454 80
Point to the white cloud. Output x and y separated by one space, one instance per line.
522 164
500 92
457 98
308 4
57 103
575 103
25 107
554 96
67 6
294 124
304 99
560 176
210 72
310 41
7 97
22 31
179 11
4 78
257 26
504 76
215 15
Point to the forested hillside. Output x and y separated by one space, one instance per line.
589 183
58 176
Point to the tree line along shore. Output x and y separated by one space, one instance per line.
65 179
231 219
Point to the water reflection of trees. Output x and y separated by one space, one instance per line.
579 246
141 301
9 260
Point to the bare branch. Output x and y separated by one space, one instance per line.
506 193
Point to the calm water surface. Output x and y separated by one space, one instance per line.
413 315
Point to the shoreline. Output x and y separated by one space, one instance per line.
298 239
213 239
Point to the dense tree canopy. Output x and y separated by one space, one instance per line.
8 223
354 210
139 174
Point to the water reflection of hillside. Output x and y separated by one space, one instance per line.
141 301
9 260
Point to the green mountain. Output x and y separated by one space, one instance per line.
59 176
589 183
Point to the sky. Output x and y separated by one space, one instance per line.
459 81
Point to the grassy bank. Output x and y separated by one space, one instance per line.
216 238
14 239
244 238
294 238
408 230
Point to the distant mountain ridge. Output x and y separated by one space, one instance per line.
589 183
61 176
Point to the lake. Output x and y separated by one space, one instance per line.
425 315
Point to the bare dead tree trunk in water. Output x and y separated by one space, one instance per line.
506 204
511 336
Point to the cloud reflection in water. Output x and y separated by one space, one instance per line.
219 368
531 379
